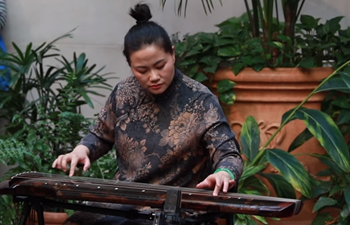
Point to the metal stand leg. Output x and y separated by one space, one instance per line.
27 207
30 204
171 209
40 213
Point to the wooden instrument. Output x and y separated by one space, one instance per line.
58 188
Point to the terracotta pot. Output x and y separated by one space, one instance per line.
50 218
267 95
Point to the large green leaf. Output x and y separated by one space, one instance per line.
291 170
307 62
333 24
341 102
237 67
347 195
246 220
228 52
304 136
252 191
281 186
251 170
309 21
227 97
346 78
286 116
326 160
253 185
328 134
343 117
261 219
200 77
225 85
250 138
323 202
335 83
322 188
337 189
321 218
345 213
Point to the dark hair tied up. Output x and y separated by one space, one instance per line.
145 33
141 13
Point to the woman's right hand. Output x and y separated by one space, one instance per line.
79 156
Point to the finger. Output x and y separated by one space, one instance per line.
60 162
54 164
218 185
203 184
64 160
73 165
86 164
231 184
225 186
57 162
216 190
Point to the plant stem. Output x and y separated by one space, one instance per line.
294 111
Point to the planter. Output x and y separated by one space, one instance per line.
50 218
267 95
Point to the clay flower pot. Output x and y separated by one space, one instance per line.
50 218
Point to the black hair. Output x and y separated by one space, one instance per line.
145 32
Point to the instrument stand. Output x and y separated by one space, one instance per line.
37 204
28 206
171 214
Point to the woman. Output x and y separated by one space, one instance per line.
167 128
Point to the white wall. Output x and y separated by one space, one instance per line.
102 24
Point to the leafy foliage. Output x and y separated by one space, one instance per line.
254 165
329 129
42 106
315 44
53 88
11 216
182 6
334 193
34 146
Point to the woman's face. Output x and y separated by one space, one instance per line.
153 68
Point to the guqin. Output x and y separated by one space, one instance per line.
37 189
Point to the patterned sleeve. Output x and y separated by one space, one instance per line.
100 139
220 139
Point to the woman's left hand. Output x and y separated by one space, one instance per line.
217 181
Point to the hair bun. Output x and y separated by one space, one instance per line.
141 13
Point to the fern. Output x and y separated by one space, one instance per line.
12 151
8 214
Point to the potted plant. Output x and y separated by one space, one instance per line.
249 54
43 108
332 192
